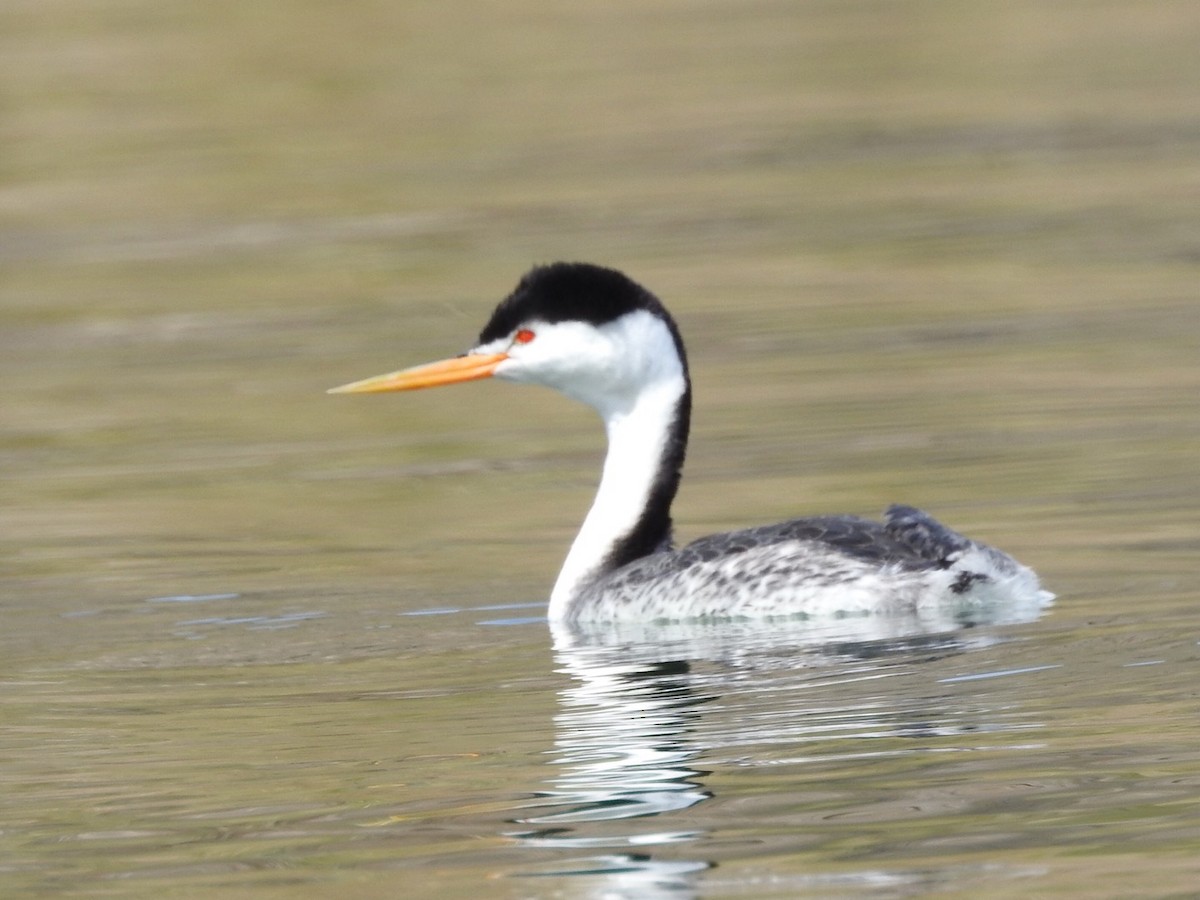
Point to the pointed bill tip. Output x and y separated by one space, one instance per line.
469 367
367 385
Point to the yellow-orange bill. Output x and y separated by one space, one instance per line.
471 367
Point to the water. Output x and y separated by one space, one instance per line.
724 762
261 642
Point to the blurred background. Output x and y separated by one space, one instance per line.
939 253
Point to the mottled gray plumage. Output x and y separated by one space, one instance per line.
818 566
908 538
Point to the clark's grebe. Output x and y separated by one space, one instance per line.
600 338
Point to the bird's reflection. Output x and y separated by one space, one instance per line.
623 744
628 736
623 751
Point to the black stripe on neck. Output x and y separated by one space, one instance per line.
652 531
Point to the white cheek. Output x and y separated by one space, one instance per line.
606 367
561 355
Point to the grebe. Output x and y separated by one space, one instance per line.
598 337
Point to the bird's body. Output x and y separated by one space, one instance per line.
600 338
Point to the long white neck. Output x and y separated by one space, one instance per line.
631 513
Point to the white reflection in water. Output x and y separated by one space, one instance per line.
629 730
623 748
622 743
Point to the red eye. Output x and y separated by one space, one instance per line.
524 336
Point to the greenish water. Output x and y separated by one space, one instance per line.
258 641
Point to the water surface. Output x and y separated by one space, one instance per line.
261 642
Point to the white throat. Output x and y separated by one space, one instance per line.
636 444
